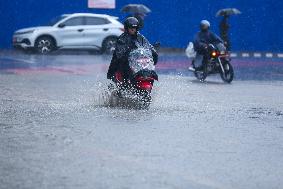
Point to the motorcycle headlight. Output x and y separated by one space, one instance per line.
25 32
214 54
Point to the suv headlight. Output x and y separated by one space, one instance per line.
25 32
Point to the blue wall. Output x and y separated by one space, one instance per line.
173 22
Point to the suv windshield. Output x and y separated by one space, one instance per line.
53 21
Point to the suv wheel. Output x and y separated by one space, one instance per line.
45 45
108 45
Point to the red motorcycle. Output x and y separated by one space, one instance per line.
138 87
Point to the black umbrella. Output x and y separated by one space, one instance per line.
136 8
228 12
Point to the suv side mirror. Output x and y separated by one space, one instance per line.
62 25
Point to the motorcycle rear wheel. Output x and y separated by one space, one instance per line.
200 75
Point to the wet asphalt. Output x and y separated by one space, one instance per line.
57 130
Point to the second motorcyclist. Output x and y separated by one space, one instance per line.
202 40
125 44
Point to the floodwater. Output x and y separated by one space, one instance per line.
56 130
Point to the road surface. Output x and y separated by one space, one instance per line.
56 130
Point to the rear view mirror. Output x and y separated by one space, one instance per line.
61 25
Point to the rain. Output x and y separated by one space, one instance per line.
201 115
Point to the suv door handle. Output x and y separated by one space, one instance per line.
105 29
80 30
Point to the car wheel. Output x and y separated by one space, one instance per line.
108 45
45 45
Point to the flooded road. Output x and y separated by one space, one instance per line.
57 132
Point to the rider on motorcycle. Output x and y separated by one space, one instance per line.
125 44
202 40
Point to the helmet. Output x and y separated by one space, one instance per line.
131 22
204 25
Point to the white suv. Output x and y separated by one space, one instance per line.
72 31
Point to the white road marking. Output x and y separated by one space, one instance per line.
245 55
257 55
269 55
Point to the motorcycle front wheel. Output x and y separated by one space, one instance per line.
228 76
145 100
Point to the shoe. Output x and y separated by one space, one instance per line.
192 69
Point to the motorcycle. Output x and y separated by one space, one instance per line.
138 88
218 63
